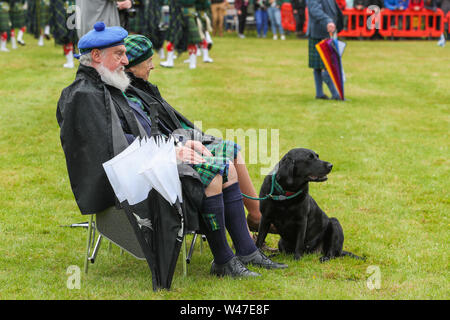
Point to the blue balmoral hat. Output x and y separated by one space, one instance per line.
101 37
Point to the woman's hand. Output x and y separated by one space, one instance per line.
198 147
188 155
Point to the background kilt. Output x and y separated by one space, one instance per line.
45 13
17 15
315 62
135 22
193 34
224 152
5 24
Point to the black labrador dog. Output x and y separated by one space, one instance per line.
302 225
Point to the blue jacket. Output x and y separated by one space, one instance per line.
390 4
395 4
322 12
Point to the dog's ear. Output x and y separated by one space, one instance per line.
286 170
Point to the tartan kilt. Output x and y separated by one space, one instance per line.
5 24
193 34
315 62
134 23
17 16
45 13
224 152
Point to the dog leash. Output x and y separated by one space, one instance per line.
275 185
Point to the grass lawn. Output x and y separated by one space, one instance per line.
389 186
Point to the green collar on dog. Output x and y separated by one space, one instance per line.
285 195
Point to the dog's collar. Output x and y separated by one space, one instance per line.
279 189
284 195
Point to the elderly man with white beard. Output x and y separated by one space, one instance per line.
101 104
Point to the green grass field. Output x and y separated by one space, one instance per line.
389 186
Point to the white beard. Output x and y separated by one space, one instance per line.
117 78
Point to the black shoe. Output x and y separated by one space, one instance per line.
258 259
324 97
233 268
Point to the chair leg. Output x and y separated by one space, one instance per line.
88 248
191 250
184 248
96 248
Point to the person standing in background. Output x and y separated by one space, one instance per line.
218 9
241 7
17 16
299 7
261 17
275 18
92 11
325 18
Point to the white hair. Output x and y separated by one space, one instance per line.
86 59
117 78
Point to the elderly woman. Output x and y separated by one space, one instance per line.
223 174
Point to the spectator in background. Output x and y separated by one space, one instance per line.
390 4
218 9
445 6
299 7
416 5
275 18
261 17
93 11
379 4
359 5
325 17
430 5
241 7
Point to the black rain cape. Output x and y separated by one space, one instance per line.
93 118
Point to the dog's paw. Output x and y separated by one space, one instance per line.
324 259
297 256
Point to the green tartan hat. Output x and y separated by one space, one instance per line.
139 49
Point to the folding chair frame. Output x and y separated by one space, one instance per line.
93 246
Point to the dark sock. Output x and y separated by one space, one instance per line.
235 220
318 82
217 239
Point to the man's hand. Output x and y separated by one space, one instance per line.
331 27
198 147
123 5
188 155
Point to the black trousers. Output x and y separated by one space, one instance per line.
300 19
242 19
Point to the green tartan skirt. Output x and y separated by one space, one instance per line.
315 61
45 13
193 34
17 15
224 152
5 24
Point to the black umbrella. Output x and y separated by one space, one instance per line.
158 226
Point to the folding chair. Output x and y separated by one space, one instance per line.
113 225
